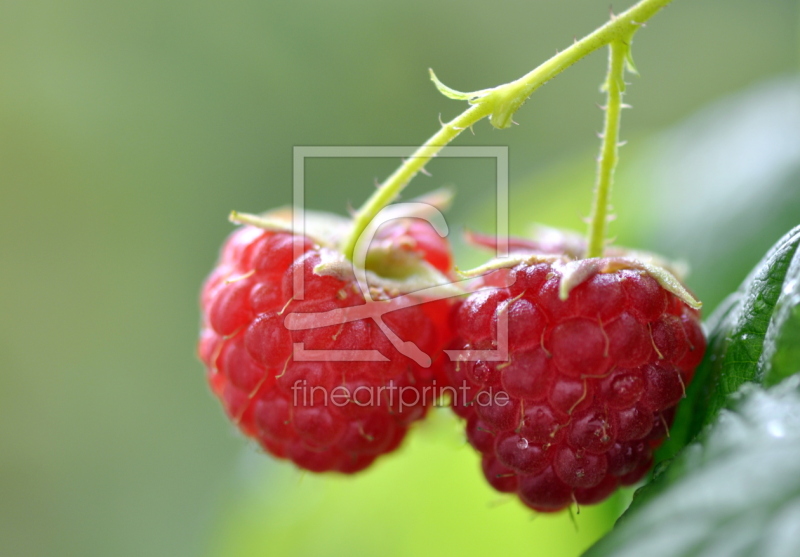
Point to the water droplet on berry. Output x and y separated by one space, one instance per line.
481 371
522 444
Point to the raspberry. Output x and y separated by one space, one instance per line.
322 415
590 386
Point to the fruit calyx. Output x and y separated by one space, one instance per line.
561 249
403 251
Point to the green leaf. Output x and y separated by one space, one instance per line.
734 491
736 340
781 356
731 490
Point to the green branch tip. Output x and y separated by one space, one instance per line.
499 104
451 93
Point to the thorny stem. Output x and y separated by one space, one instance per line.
395 183
500 103
607 161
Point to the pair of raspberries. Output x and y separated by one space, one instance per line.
575 407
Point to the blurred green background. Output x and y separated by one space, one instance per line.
128 130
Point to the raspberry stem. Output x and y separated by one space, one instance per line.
499 104
607 161
393 185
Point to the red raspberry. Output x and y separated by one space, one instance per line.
589 388
322 415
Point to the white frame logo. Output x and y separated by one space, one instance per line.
376 309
